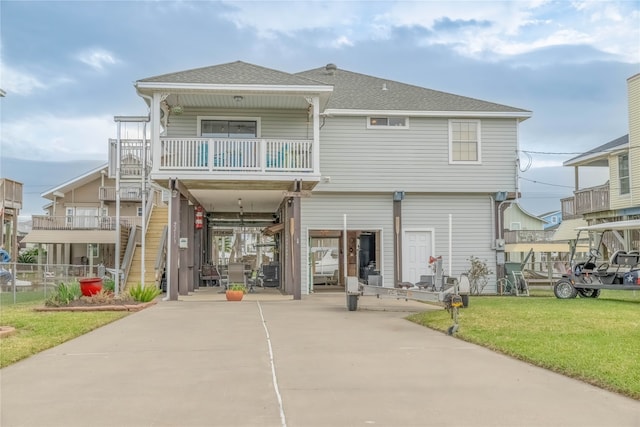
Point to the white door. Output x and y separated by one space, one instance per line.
415 255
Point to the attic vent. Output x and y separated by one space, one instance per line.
330 68
384 86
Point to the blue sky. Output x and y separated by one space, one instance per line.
69 66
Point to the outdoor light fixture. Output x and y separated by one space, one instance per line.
238 98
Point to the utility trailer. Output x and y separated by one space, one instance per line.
621 271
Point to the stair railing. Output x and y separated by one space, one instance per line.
128 254
161 257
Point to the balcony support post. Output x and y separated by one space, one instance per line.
315 105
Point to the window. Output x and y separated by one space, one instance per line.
69 219
223 128
387 122
623 173
464 141
139 211
93 251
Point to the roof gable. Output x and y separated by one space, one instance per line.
232 73
75 182
599 156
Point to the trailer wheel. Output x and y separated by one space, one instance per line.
352 302
589 293
563 289
465 300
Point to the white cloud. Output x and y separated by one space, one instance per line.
52 138
288 17
489 30
97 58
18 82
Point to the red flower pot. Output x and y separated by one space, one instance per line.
90 286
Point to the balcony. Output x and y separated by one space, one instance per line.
211 155
127 194
586 201
528 236
84 222
10 194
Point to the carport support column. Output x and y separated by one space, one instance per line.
398 196
172 245
185 259
294 278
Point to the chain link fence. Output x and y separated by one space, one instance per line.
34 282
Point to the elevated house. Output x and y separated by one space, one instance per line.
531 245
393 173
617 199
80 227
10 205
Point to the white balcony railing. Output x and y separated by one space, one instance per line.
222 154
82 222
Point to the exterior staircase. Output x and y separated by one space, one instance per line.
159 219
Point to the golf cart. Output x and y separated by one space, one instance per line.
592 273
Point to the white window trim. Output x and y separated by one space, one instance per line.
628 193
386 116
240 118
479 131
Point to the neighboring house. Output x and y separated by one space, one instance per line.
528 238
517 218
80 225
396 173
552 219
10 204
619 198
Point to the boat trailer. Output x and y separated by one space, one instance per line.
452 296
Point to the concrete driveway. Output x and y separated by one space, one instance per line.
270 361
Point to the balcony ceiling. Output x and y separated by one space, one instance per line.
252 201
249 101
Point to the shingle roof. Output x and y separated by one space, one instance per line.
351 91
237 72
602 149
363 92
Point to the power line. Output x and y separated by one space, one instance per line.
569 153
546 183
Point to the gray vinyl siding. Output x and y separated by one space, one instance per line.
287 124
471 219
414 159
369 212
471 228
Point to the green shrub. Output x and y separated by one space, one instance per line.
108 285
30 256
65 293
238 287
144 293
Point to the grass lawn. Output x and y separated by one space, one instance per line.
596 340
38 331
